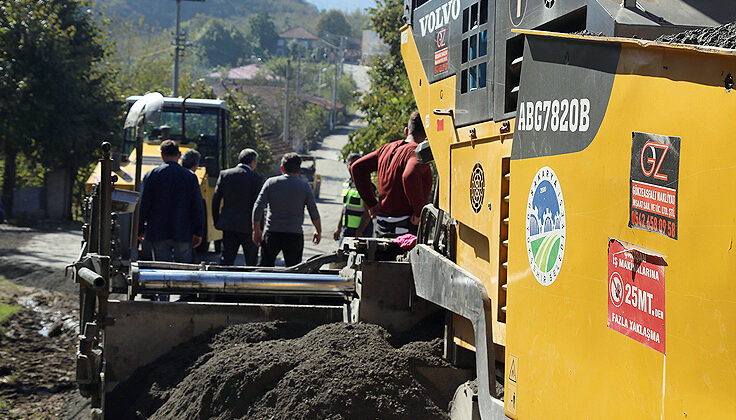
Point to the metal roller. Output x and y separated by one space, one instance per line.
167 281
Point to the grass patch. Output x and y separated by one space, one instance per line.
4 405
7 286
7 310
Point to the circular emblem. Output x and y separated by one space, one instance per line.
549 3
477 188
517 10
616 289
545 226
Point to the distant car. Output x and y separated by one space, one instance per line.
309 173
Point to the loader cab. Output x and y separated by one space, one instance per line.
197 123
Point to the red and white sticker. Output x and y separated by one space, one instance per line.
440 60
440 56
636 298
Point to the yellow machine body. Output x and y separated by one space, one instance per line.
481 244
562 359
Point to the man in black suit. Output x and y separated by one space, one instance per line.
239 187
171 213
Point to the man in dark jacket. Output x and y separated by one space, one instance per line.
239 187
171 214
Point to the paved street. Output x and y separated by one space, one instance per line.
334 173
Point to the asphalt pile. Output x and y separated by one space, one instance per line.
280 370
720 36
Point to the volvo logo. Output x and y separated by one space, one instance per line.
440 17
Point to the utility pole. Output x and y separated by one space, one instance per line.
298 73
177 48
286 104
339 57
179 44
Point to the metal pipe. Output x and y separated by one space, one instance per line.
224 282
137 185
184 119
91 278
105 191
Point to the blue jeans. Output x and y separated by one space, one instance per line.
170 250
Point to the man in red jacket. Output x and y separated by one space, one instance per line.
404 184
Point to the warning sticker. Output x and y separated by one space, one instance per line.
655 169
636 294
512 378
440 60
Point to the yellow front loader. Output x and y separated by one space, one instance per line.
201 124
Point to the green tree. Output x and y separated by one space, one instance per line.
246 129
263 33
358 20
142 59
308 122
277 67
223 46
333 22
195 88
346 89
58 103
390 101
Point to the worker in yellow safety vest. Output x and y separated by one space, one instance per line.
354 220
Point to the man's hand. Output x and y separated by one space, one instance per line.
257 237
336 234
316 238
415 220
373 210
196 241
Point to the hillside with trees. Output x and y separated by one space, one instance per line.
68 66
390 101
162 14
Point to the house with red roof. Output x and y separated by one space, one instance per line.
298 34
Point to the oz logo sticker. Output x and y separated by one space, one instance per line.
545 226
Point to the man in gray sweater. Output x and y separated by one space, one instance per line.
286 196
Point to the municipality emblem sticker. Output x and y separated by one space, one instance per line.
545 226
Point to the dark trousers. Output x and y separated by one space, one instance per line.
231 243
170 250
353 232
292 244
392 230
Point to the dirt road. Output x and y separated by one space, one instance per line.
37 257
37 343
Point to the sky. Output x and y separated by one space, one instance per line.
345 5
